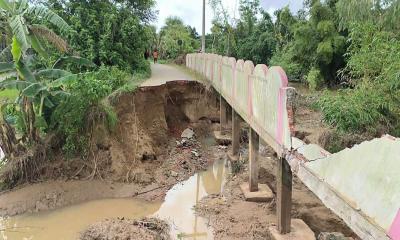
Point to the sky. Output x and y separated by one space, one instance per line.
191 10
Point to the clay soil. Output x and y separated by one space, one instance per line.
144 229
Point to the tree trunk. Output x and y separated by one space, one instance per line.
8 141
31 130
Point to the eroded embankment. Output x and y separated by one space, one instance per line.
151 118
139 155
144 156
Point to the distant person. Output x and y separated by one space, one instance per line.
155 55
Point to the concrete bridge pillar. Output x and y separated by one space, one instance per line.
223 105
254 145
284 196
253 191
234 154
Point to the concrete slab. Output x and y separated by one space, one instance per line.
299 230
223 138
264 193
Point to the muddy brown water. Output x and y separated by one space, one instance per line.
177 209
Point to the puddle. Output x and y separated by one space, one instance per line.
208 141
66 223
177 209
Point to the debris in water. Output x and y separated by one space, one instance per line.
187 133
222 147
195 153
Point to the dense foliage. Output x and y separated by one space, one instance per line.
57 91
250 37
109 32
175 39
373 71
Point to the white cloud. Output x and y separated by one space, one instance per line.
190 11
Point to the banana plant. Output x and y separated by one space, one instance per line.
42 85
23 35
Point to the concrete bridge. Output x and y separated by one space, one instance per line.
361 185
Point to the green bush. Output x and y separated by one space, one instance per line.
88 104
315 79
293 70
112 33
70 118
112 76
356 110
373 104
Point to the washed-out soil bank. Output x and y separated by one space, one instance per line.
139 157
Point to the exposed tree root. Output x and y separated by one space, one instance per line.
23 168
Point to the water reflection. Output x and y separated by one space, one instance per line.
179 202
66 223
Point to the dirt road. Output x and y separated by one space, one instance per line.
162 73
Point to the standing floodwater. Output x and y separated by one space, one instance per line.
66 223
178 206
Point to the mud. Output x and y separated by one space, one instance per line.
140 157
49 225
151 119
146 229
232 217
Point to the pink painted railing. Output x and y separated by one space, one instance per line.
258 93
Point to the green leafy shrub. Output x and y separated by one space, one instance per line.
111 33
373 105
357 110
71 117
293 70
112 76
174 31
325 52
315 79
88 104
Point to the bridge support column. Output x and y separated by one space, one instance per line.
253 160
284 196
253 191
223 108
287 228
234 154
222 136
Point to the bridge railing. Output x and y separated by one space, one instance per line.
260 95
343 181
